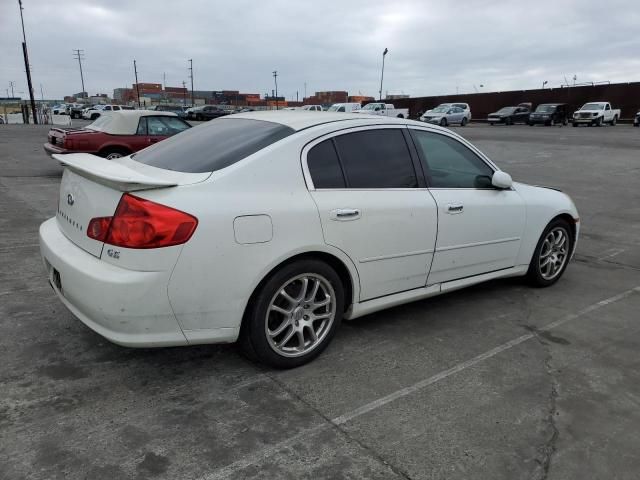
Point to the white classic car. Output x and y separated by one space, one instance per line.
271 227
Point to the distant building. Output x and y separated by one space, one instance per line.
396 97
326 98
360 99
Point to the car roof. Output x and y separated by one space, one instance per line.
302 119
125 122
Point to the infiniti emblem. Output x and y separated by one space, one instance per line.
70 199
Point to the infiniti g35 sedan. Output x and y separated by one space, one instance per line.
269 228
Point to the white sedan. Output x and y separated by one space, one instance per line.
271 227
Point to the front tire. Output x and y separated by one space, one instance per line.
599 122
551 256
443 122
614 121
463 123
294 315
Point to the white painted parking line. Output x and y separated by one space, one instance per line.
17 247
232 469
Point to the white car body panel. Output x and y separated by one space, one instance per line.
264 210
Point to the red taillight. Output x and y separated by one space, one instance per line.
140 223
98 228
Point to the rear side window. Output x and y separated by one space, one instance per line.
213 146
324 166
376 159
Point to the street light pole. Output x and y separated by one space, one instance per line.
386 50
11 84
26 65
544 83
79 54
275 80
191 77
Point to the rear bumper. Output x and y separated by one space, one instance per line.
52 149
129 308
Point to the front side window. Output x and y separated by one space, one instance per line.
376 159
450 164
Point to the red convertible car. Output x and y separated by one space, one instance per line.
116 135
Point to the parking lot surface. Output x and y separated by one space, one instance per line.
499 381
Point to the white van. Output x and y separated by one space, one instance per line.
344 107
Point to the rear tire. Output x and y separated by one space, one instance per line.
287 322
509 121
552 253
95 116
113 153
443 122
614 121
400 115
463 123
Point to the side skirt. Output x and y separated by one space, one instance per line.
370 306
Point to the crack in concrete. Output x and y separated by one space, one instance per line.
548 449
374 454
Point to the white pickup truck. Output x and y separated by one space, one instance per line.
384 109
596 113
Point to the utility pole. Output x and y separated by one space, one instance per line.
11 85
184 92
297 96
41 94
305 91
79 54
191 77
275 80
384 54
135 72
26 66
164 80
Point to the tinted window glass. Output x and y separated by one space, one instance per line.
213 146
324 166
142 126
376 159
450 163
165 125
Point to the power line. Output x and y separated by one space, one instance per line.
79 55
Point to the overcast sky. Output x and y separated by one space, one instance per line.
435 47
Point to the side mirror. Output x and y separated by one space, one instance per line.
501 180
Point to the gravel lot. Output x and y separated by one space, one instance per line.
499 381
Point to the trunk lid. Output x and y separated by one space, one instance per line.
92 187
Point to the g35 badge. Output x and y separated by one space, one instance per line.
113 253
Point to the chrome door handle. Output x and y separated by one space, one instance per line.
345 214
454 208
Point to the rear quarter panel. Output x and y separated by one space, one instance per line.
215 275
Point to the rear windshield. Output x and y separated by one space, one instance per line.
212 146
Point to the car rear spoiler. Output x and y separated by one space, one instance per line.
111 172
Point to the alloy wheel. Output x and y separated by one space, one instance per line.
300 315
554 253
